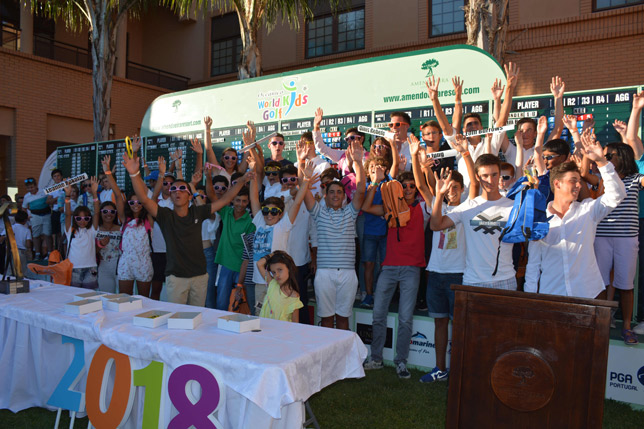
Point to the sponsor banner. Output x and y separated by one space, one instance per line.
422 351
625 373
363 327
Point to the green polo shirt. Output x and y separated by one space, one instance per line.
231 245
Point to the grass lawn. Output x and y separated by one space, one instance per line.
380 400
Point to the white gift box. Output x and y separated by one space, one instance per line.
111 296
184 320
124 304
83 306
152 318
89 295
238 323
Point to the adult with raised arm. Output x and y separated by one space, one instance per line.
186 276
335 279
338 156
564 262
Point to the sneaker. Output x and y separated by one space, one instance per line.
401 370
421 306
435 375
639 329
360 295
367 302
372 364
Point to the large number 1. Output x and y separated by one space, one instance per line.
63 397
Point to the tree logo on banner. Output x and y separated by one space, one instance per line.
176 105
429 66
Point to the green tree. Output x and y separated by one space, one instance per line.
429 66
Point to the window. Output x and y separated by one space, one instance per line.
334 34
613 4
226 44
446 17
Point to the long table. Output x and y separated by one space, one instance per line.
268 375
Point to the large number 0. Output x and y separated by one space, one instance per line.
120 406
63 397
151 377
194 411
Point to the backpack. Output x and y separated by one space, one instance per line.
528 220
397 212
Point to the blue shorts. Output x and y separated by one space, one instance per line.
440 296
374 248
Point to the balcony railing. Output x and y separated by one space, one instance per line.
10 37
157 77
59 51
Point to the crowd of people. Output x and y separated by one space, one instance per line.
268 228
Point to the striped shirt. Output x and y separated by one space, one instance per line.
624 220
336 236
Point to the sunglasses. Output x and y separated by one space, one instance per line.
277 142
610 156
308 141
233 183
28 181
549 157
228 157
352 138
167 183
220 188
85 185
85 218
179 188
396 124
108 211
379 146
272 173
133 202
289 179
506 177
273 211
431 133
199 195
409 185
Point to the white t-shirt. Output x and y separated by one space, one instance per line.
406 152
56 195
30 198
158 242
483 222
448 248
511 157
298 239
320 166
22 234
209 228
82 251
269 239
475 152
106 195
274 190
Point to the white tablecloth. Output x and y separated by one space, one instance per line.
268 374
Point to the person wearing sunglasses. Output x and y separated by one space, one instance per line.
80 230
403 263
276 146
35 201
336 282
135 264
272 227
108 241
230 161
399 124
432 134
337 156
507 178
186 273
210 237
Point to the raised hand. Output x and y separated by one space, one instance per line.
577 160
196 145
638 100
542 125
131 164
247 137
209 169
620 127
105 162
458 87
161 167
301 149
557 87
432 87
178 154
250 175
512 72
518 139
94 185
497 89
592 149
589 124
251 128
442 182
460 143
317 120
425 161
207 121
196 177
379 172
570 122
68 191
136 143
357 151
414 144
309 167
402 163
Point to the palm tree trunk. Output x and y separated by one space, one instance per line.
487 22
250 61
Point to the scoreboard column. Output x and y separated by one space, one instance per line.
77 159
115 149
166 146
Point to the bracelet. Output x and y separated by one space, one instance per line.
240 285
466 153
108 172
96 200
136 174
68 200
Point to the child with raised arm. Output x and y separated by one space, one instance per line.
80 229
282 297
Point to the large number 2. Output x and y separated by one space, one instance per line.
63 397
192 411
120 406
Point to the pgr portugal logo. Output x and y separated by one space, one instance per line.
279 103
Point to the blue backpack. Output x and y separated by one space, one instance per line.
528 220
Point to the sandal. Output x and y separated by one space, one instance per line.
630 339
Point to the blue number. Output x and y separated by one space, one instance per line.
63 397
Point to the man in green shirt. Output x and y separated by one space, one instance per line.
186 276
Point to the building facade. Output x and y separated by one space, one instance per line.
45 70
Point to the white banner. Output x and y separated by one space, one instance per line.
625 373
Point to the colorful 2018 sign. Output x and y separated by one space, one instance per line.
193 409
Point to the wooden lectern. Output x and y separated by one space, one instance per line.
526 360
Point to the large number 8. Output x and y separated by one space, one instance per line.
192 411
120 406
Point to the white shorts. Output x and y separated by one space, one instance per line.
620 255
40 225
335 291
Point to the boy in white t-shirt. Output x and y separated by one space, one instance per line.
22 235
273 227
35 201
484 218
